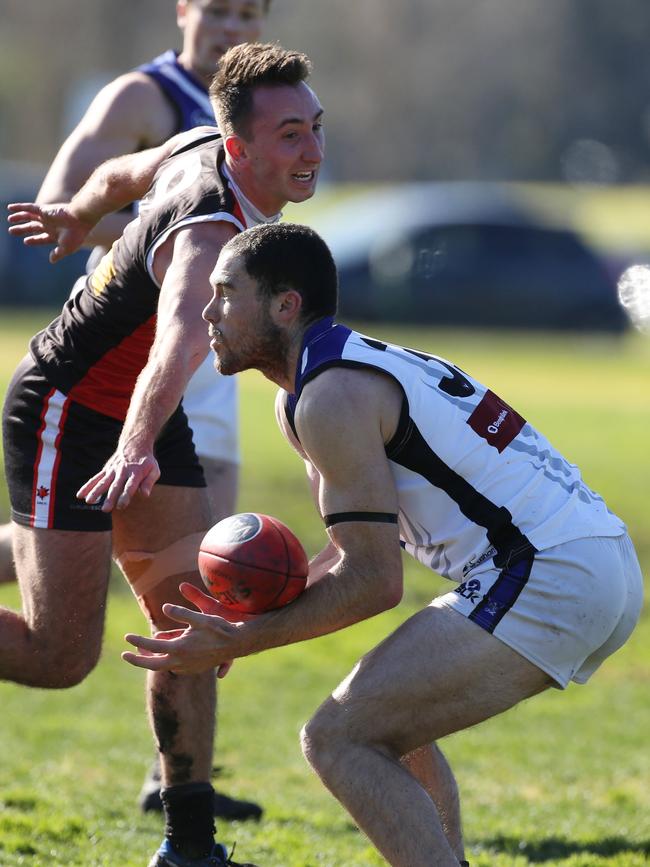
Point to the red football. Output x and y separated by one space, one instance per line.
252 563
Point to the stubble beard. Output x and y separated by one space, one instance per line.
267 352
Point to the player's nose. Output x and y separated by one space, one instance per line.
233 27
313 150
209 310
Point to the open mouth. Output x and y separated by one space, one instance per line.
304 177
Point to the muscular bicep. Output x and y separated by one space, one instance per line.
341 427
183 265
341 422
127 115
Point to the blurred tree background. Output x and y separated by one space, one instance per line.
544 90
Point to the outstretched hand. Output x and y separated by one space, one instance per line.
207 641
47 224
119 480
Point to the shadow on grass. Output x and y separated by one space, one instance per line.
553 848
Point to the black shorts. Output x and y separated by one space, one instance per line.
53 445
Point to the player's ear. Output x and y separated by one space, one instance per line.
288 306
235 148
181 10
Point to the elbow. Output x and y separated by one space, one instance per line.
388 597
393 594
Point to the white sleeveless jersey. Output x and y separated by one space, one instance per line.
475 481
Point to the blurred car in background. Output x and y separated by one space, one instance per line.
465 254
450 254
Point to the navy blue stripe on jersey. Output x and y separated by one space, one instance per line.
318 350
322 341
185 93
414 453
503 594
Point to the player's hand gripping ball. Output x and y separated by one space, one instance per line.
252 563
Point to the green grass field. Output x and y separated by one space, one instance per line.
562 780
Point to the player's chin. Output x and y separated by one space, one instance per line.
302 188
226 366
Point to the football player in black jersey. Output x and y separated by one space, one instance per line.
62 412
141 109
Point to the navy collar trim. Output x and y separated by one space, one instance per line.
315 331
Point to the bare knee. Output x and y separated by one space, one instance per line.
7 566
60 665
325 737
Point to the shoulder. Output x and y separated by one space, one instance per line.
348 386
343 398
135 100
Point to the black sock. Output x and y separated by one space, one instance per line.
189 818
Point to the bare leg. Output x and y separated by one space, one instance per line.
438 673
181 708
429 766
7 569
222 478
63 576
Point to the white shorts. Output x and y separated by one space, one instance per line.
566 609
211 405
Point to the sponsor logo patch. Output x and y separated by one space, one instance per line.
477 559
469 590
495 421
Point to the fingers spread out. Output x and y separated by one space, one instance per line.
118 484
121 494
186 615
205 603
147 643
150 662
209 605
94 488
23 213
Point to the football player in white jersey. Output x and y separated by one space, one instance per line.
405 449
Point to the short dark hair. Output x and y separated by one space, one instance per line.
245 67
281 256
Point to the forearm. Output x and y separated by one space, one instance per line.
157 393
340 598
109 228
61 184
112 186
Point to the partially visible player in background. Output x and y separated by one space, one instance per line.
138 110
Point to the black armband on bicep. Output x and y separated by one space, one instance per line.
374 517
